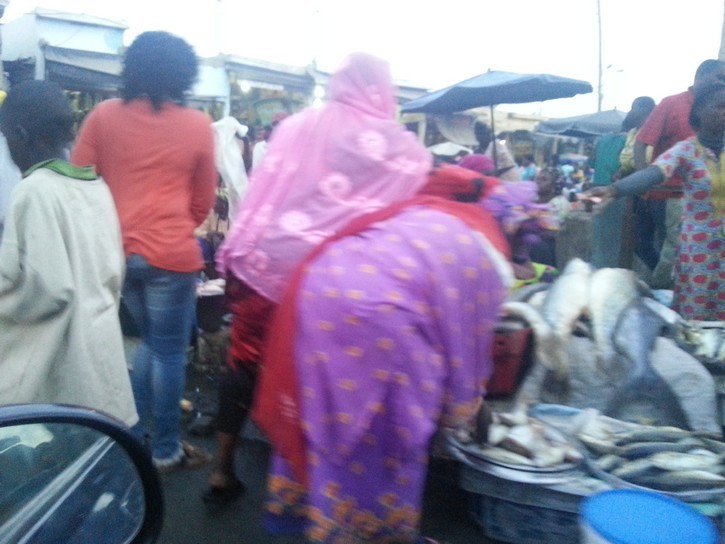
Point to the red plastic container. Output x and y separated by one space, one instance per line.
510 356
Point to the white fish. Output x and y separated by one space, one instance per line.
505 456
598 445
566 301
549 457
710 343
517 416
609 462
611 291
681 480
524 439
634 469
684 461
496 433
589 422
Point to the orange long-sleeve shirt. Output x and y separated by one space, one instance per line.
160 168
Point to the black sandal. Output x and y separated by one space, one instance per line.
218 496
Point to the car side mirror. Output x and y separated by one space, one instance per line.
73 475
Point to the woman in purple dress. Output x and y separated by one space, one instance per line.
383 337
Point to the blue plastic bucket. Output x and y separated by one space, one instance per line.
631 516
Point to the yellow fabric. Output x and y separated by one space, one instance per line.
717 177
539 271
626 156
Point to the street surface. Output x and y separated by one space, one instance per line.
189 521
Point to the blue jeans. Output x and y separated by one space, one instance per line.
162 304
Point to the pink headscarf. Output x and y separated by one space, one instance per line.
478 163
323 168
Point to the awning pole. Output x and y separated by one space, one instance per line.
493 132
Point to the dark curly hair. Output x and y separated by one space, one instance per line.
160 66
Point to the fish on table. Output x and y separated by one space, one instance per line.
555 317
665 458
611 291
638 327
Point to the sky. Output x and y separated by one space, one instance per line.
648 47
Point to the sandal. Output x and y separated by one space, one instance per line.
218 495
192 457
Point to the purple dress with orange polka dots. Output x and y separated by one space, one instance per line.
699 290
395 328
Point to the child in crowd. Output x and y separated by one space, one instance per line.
61 268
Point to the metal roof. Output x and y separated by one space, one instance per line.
81 18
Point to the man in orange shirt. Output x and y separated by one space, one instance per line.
157 157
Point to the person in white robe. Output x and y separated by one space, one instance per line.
61 268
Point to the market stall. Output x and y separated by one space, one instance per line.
537 499
620 393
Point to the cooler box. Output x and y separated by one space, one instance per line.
511 355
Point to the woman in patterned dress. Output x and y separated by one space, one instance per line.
699 282
384 334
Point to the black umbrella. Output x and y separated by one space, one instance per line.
581 126
494 87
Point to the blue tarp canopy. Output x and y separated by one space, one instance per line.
581 126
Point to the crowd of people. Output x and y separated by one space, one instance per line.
363 279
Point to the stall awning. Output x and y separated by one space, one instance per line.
269 75
82 70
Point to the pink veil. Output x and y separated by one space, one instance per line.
323 167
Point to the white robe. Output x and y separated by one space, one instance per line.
61 272
229 161
10 176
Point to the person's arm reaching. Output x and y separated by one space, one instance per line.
634 184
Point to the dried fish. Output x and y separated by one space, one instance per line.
516 417
526 441
496 433
502 455
637 450
635 469
590 424
653 434
609 462
673 461
549 457
681 480
597 445
713 445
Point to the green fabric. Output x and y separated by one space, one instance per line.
606 162
66 169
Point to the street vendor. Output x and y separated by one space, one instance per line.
699 281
